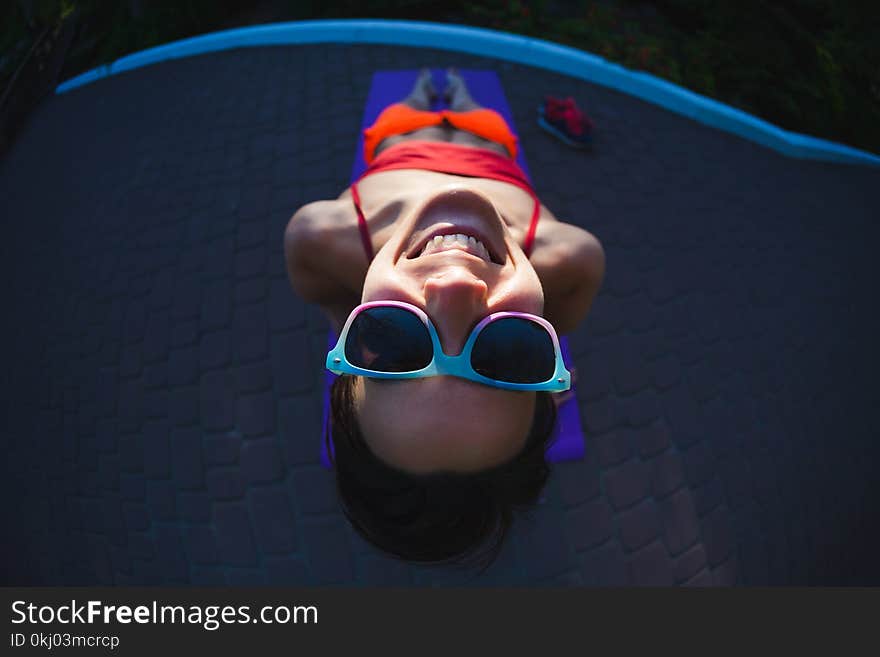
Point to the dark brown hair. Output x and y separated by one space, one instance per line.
435 518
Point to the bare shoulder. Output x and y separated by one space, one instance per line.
570 262
313 219
316 249
568 249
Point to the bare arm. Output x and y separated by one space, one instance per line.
313 266
571 267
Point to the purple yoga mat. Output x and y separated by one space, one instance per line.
567 443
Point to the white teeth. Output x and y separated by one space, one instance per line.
439 242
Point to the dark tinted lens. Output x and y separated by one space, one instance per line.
514 350
388 339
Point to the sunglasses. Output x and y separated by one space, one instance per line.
396 340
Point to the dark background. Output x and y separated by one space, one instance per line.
161 382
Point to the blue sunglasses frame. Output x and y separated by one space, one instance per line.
459 366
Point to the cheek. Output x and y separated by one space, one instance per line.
378 274
531 287
523 293
382 282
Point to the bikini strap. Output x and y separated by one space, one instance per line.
362 223
533 227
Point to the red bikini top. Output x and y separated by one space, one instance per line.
447 158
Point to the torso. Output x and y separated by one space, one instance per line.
387 196
382 209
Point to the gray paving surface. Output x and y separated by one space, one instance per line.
161 393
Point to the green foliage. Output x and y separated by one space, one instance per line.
14 37
115 32
806 65
19 31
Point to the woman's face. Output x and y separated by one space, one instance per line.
445 423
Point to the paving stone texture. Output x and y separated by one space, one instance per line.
162 395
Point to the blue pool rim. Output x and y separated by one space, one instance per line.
498 45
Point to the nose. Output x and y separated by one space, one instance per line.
455 300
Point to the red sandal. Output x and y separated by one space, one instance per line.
563 119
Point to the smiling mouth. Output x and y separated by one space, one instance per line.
453 239
459 219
